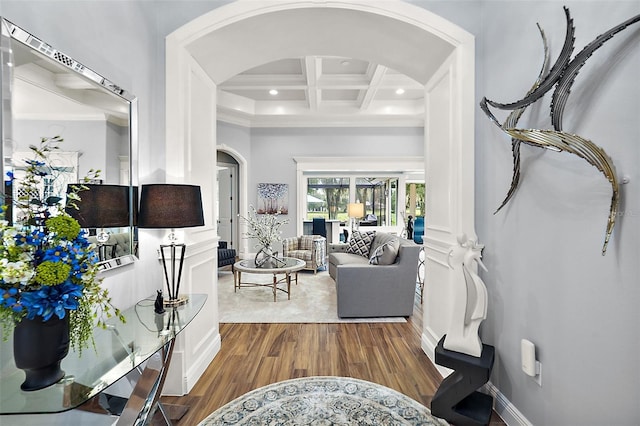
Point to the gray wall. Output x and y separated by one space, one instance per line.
547 280
74 133
276 148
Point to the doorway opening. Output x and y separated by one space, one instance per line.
228 205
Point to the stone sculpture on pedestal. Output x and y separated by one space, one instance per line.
469 298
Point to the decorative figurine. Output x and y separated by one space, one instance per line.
410 228
470 298
158 305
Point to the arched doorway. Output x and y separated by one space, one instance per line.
239 181
243 34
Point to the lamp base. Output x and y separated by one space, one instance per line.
179 301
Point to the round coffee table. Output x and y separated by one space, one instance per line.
285 265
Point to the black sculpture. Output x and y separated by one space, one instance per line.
410 228
158 305
457 399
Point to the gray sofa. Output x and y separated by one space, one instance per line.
367 290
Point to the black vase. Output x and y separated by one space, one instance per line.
38 348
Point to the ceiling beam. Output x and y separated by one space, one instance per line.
374 84
313 71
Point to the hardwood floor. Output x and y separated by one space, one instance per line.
254 355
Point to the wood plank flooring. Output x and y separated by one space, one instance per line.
255 355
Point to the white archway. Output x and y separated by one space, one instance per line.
233 38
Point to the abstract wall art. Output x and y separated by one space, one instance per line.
561 76
273 198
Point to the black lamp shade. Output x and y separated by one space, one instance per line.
170 206
102 206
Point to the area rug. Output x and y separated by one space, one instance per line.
313 300
323 401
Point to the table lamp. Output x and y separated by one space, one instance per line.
354 211
171 206
100 207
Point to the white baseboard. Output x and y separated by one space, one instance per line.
181 378
207 354
428 344
505 409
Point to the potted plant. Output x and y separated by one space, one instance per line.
50 292
266 229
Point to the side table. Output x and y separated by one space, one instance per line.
120 349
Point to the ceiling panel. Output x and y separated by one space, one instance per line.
344 66
317 87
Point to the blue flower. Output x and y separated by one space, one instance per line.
50 300
8 299
55 254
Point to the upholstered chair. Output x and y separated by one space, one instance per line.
319 226
226 256
310 248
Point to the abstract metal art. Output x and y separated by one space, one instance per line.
561 75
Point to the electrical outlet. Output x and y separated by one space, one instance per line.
538 377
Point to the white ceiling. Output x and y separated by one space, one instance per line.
301 51
321 90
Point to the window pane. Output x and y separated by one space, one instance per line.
415 194
376 194
394 201
327 198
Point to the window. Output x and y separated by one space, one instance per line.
380 205
328 198
415 199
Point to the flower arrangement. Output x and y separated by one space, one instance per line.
47 265
265 228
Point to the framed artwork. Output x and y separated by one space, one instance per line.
273 198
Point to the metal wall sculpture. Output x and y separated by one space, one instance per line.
561 75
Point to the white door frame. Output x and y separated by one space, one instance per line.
241 244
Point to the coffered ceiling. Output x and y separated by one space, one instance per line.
321 91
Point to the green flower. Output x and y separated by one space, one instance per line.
64 227
52 273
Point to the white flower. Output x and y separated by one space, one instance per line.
16 272
264 228
8 236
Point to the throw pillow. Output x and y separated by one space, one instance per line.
360 243
385 254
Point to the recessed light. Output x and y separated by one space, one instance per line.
273 92
399 91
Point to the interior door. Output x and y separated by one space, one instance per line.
227 196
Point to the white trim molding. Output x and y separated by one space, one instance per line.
505 409
450 105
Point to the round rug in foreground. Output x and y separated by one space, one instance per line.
320 401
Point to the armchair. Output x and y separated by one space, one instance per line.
226 256
310 248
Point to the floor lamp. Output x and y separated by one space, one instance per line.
100 207
171 206
354 211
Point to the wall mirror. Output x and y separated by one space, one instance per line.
46 93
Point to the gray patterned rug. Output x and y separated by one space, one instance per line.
321 401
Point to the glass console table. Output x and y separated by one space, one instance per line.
120 349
